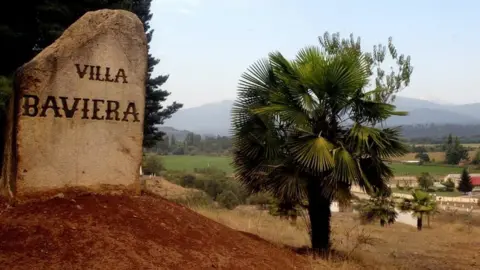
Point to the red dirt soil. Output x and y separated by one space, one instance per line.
100 231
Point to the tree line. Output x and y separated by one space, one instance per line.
192 144
437 134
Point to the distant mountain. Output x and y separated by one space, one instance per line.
214 118
208 119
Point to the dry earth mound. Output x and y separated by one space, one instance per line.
101 231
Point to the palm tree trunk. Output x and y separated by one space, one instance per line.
319 214
419 222
428 221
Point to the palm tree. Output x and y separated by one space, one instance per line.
380 207
420 204
307 129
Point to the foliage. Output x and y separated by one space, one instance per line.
212 182
380 206
228 199
476 158
449 185
423 157
284 209
425 181
152 164
188 180
465 185
192 144
262 199
420 204
290 136
454 151
5 91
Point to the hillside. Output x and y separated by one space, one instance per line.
100 231
214 118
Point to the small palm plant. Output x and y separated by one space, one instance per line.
421 204
380 206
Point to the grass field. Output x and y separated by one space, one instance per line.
189 163
434 156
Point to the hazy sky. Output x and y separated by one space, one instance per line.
205 45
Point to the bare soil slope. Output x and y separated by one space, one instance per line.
100 231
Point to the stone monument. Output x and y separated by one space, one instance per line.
76 116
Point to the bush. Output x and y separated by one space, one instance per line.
228 199
152 164
260 198
188 180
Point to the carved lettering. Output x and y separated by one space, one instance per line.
85 108
69 112
96 109
95 74
131 109
92 73
107 76
32 105
27 105
111 110
81 73
121 73
50 103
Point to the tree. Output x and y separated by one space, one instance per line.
307 128
423 157
155 113
420 204
449 185
380 206
152 164
228 199
476 158
454 151
465 185
425 181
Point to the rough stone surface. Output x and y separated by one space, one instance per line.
76 118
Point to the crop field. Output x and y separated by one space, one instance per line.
189 163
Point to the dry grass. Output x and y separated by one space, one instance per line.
447 244
451 242
166 189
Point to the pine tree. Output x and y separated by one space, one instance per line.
155 113
465 184
455 151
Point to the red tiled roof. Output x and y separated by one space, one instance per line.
475 180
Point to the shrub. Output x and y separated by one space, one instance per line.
152 164
449 185
228 199
188 180
260 199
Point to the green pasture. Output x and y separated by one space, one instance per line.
189 163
